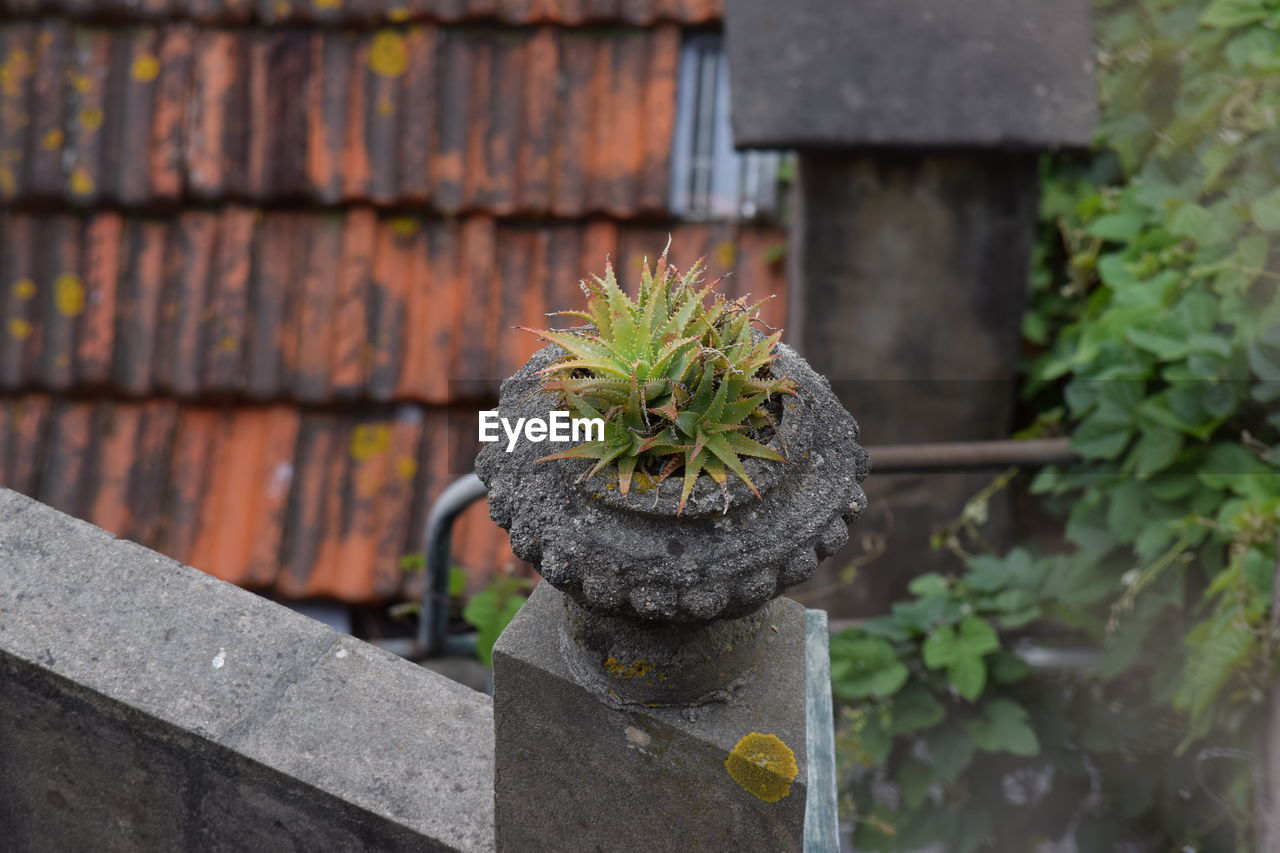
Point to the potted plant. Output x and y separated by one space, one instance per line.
727 468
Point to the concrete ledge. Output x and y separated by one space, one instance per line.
146 705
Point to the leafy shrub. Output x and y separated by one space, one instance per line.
1155 342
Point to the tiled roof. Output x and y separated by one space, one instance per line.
306 503
314 307
372 12
255 282
533 121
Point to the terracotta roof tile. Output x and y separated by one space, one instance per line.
526 121
564 12
316 307
311 504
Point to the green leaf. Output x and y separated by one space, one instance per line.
928 585
950 750
490 611
914 778
1266 211
457 581
1008 668
1155 450
960 650
915 708
1234 13
1004 727
1102 435
968 674
865 666
974 637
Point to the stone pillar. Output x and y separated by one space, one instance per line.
652 694
918 125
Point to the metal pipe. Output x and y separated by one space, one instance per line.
433 622
969 455
888 459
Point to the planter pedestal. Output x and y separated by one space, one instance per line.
575 773
655 694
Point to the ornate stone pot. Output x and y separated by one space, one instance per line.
658 602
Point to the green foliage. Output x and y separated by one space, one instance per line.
1154 342
677 382
491 609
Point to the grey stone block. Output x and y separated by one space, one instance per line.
147 706
574 773
813 73
936 334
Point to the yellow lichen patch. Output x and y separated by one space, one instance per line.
397 14
404 226
406 467
24 289
7 185
327 4
368 440
91 118
20 328
53 140
16 67
79 81
726 253
763 765
81 183
145 68
389 56
68 294
635 669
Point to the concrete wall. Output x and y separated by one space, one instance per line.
145 705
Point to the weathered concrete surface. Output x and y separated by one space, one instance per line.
863 73
575 774
909 276
145 705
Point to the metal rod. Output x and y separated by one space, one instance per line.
433 623
888 459
969 455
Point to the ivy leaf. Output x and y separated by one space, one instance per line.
489 612
960 650
914 779
950 750
1266 211
968 675
915 708
928 585
1008 668
1102 435
1155 450
865 666
1004 727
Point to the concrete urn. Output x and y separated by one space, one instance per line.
687 591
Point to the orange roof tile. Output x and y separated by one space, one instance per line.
310 504
315 307
526 121
373 12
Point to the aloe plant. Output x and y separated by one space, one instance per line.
678 380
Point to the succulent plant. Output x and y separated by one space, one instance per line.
678 381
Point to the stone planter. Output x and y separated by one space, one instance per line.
633 556
644 584
656 693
